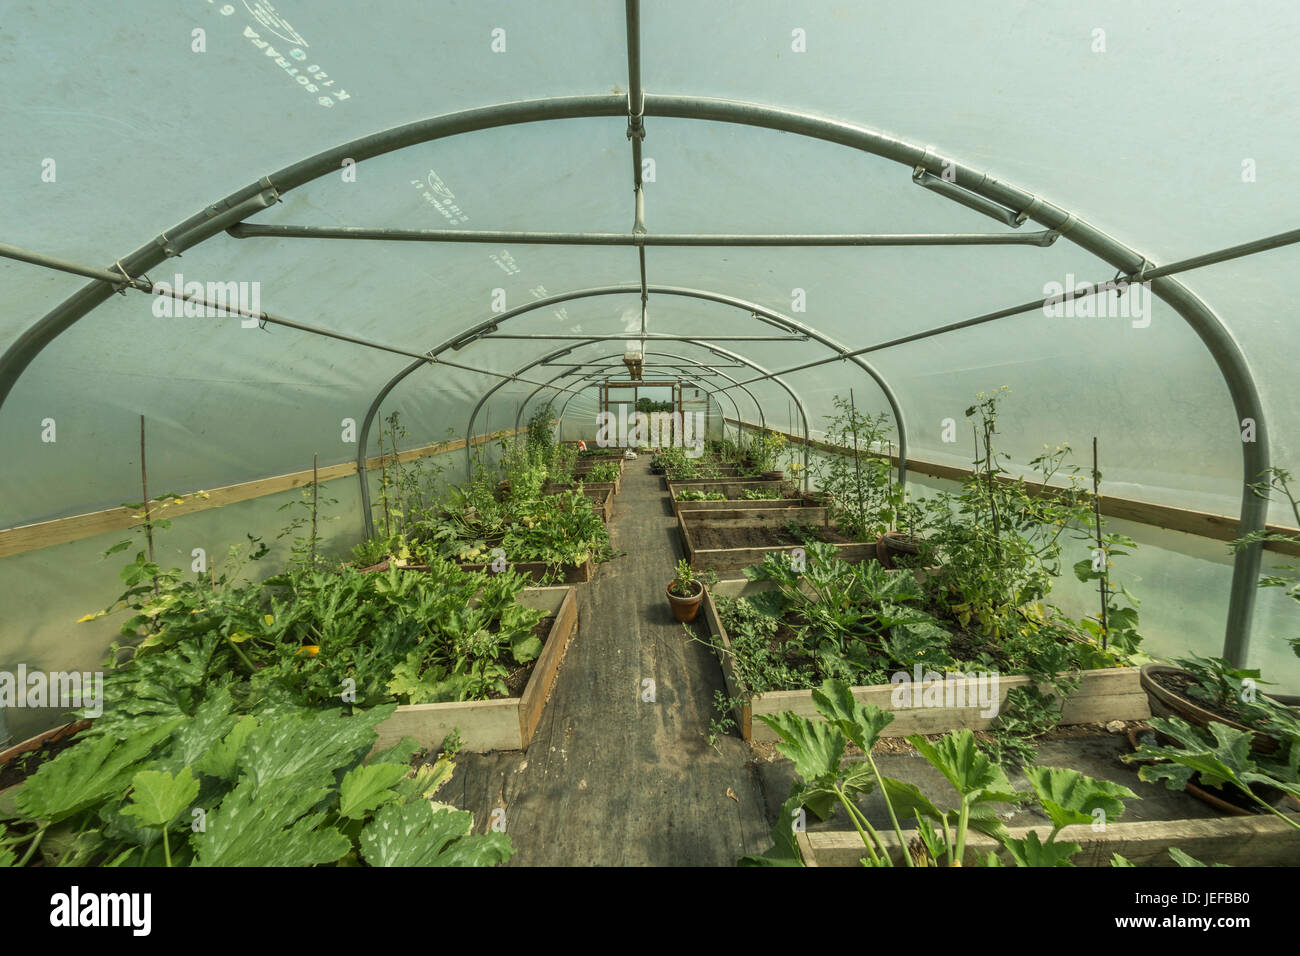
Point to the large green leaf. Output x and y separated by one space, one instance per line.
785 847
87 773
1227 758
860 723
421 834
813 745
194 738
269 825
970 772
310 745
426 781
158 797
368 787
525 647
221 760
1029 851
1185 860
1069 796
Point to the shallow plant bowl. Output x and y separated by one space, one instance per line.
1166 703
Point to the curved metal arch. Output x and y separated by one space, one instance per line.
772 317
590 377
1220 342
684 370
672 355
803 412
577 389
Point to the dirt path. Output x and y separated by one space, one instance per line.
612 779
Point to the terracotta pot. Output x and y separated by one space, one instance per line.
1166 703
893 544
685 608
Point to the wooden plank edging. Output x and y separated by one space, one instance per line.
487 725
1113 693
1237 841
44 534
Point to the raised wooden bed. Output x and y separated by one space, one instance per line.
1236 841
495 724
602 501
689 524
586 486
731 487
1114 693
731 504
535 570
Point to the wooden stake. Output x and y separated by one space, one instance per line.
857 465
383 478
314 486
1105 564
144 488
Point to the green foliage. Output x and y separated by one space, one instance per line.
540 439
849 620
824 781
998 543
560 530
766 450
865 500
690 494
424 834
603 471
286 786
650 406
1218 758
685 582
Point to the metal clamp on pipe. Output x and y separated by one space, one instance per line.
636 118
950 190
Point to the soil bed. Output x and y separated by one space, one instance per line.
707 538
517 679
1179 683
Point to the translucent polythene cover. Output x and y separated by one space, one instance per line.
1170 127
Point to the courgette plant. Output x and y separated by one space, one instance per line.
825 780
1223 757
208 786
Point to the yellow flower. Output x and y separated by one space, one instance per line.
269 619
178 501
311 650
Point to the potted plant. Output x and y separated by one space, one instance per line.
685 592
1205 690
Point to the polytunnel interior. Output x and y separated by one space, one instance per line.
431 210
